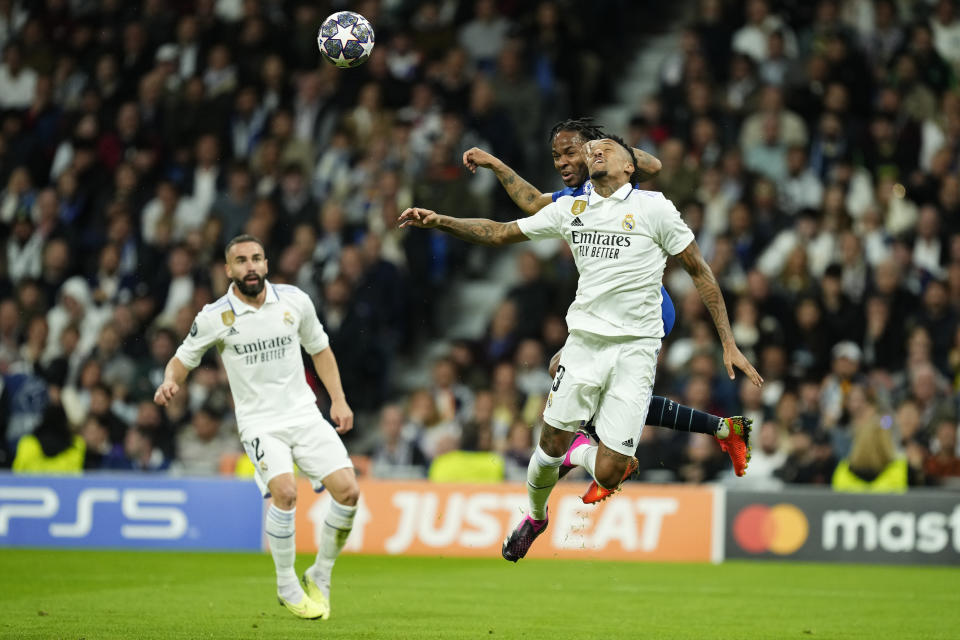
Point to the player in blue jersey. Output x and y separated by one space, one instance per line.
567 139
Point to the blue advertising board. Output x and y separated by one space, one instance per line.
129 511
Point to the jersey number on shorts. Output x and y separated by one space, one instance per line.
560 371
257 453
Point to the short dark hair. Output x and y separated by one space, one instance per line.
635 176
243 237
583 126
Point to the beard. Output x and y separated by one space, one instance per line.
251 290
600 173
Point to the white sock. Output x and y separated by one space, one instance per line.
283 547
586 457
542 474
336 528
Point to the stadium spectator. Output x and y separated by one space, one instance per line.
201 444
943 466
873 464
769 454
138 453
396 453
51 448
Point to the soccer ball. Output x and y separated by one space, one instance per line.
345 39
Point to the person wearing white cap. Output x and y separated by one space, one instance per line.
845 369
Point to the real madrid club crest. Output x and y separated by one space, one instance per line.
263 466
628 222
228 318
288 318
550 399
578 207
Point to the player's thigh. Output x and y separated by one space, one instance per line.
319 451
575 392
342 485
554 362
271 457
624 403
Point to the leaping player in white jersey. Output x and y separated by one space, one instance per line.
258 329
567 139
620 239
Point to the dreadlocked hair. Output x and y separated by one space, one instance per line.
635 176
583 126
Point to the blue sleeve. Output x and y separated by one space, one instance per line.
568 191
668 311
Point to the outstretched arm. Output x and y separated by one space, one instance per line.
709 290
524 194
475 230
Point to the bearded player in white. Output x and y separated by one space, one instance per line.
620 238
258 329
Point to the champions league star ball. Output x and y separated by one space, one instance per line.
345 39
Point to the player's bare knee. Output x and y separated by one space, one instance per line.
555 442
285 496
349 496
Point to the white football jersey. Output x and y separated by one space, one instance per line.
260 349
620 245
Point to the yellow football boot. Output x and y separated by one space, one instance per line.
307 608
315 594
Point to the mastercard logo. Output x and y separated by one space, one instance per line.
780 529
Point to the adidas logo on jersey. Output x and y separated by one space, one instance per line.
576 222
233 332
627 443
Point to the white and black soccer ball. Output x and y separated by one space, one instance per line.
345 39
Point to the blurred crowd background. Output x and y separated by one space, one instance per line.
812 146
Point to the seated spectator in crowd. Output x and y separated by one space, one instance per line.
481 427
768 455
453 400
138 454
517 451
52 447
396 454
703 461
811 459
434 434
943 467
98 445
201 444
873 465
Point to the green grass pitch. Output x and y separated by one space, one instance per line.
94 595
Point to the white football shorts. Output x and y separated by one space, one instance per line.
608 379
315 447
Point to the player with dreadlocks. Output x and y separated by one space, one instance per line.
567 139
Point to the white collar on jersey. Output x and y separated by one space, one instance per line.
240 307
620 194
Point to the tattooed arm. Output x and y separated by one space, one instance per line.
524 194
709 290
475 230
647 165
